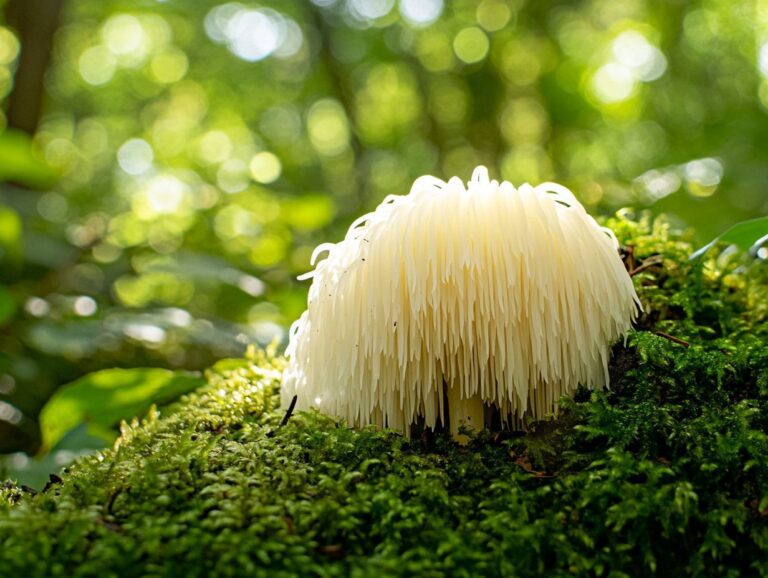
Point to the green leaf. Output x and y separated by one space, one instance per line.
745 235
7 306
106 397
230 364
34 471
19 163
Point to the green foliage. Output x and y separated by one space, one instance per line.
746 236
19 162
103 398
665 473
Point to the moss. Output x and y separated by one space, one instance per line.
666 473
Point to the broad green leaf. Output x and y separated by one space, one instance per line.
745 235
229 364
79 441
19 163
106 397
7 306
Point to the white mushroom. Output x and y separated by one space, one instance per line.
450 301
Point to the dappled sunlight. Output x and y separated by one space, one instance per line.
253 33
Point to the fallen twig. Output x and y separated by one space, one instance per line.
289 413
287 416
672 338
647 265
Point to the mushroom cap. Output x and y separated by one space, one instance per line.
484 295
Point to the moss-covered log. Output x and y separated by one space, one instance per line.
666 473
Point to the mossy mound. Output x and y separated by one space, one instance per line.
666 473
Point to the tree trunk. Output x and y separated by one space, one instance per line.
36 22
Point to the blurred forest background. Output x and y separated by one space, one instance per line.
169 166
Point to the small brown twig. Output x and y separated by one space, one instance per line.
630 257
289 413
647 265
672 338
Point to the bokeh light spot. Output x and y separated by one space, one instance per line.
9 46
633 50
613 83
471 45
448 101
421 12
145 332
281 124
251 285
7 384
265 167
215 146
762 60
37 307
493 15
106 253
233 221
10 414
53 207
434 50
169 66
97 65
84 306
217 20
160 195
291 39
60 152
524 120
328 127
232 176
123 34
266 332
657 184
369 9
703 176
135 156
253 34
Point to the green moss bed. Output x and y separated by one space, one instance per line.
664 474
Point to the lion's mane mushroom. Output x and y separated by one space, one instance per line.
450 303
